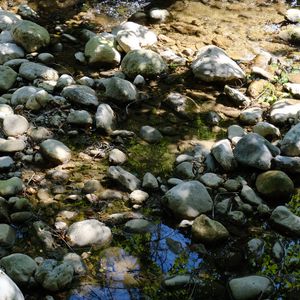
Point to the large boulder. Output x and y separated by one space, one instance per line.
100 50
255 151
290 144
7 77
188 200
275 186
9 290
143 62
9 51
213 64
89 232
30 35
55 151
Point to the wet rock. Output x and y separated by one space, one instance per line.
150 134
7 236
11 145
138 197
80 94
184 170
188 200
287 163
120 90
211 180
126 179
105 118
14 125
11 186
178 281
88 233
7 77
5 110
275 186
290 145
117 157
143 62
9 290
76 262
8 20
255 151
251 287
79 117
30 35
92 186
234 131
38 134
19 267
251 116
266 130
223 154
283 218
54 276
149 181
55 151
213 64
10 51
100 50
282 111
249 195
207 230
138 226
32 71
237 97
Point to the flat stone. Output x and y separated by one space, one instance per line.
249 195
32 71
138 226
79 117
150 134
184 170
266 130
238 98
11 145
287 164
235 131
211 180
284 110
80 94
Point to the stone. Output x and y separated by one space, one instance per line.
213 64
187 200
251 116
8 20
184 170
143 62
251 287
55 151
32 71
126 179
79 117
11 187
278 251
207 230
283 218
89 232
138 197
7 78
100 50
237 217
92 186
65 80
11 145
293 88
44 234
266 130
76 262
46 58
9 290
117 157
19 267
30 35
6 162
149 182
180 281
85 80
138 226
139 80
275 186
232 185
255 247
150 134
158 15
14 125
21 217
10 51
120 90
290 145
38 134
249 195
105 118
211 180
284 110
223 154
6 37
7 236
235 131
15 63
287 164
128 40
80 94
238 98
255 151
5 110
23 94
293 15
54 276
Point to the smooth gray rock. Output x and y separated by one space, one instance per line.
54 276
9 290
38 134
255 247
149 181
266 130
249 195
5 110
14 125
11 145
184 170
205 229
65 80
89 232
235 131
283 218
30 35
126 179
8 20
150 134
232 185
10 51
251 287
80 94
46 58
23 94
143 62
255 151
138 197
44 234
32 71
7 236
293 15
6 162
76 262
105 118
282 111
128 40
55 151
138 226
117 157
15 63
287 164
11 187
213 64
7 78
187 200
238 98
211 180
120 90
290 145
79 117
19 267
251 116
180 281
223 154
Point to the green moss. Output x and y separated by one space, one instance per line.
202 131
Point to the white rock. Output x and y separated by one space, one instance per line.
138 197
14 125
9 290
10 51
105 118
